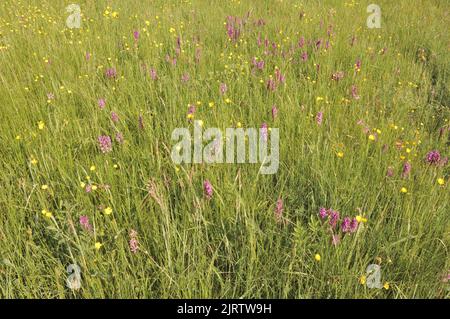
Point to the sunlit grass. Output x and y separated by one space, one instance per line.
391 107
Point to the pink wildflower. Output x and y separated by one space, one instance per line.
101 103
133 243
319 118
84 222
208 190
105 144
279 209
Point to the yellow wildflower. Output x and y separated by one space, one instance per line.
362 280
46 213
107 211
361 219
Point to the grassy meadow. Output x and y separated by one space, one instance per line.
87 177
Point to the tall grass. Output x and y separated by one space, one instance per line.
232 245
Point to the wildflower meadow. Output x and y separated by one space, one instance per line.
224 149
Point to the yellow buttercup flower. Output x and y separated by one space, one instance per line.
361 219
98 245
317 257
362 280
404 190
441 181
41 125
340 154
107 211
44 187
372 137
92 168
46 213
386 285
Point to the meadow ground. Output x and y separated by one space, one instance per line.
85 141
